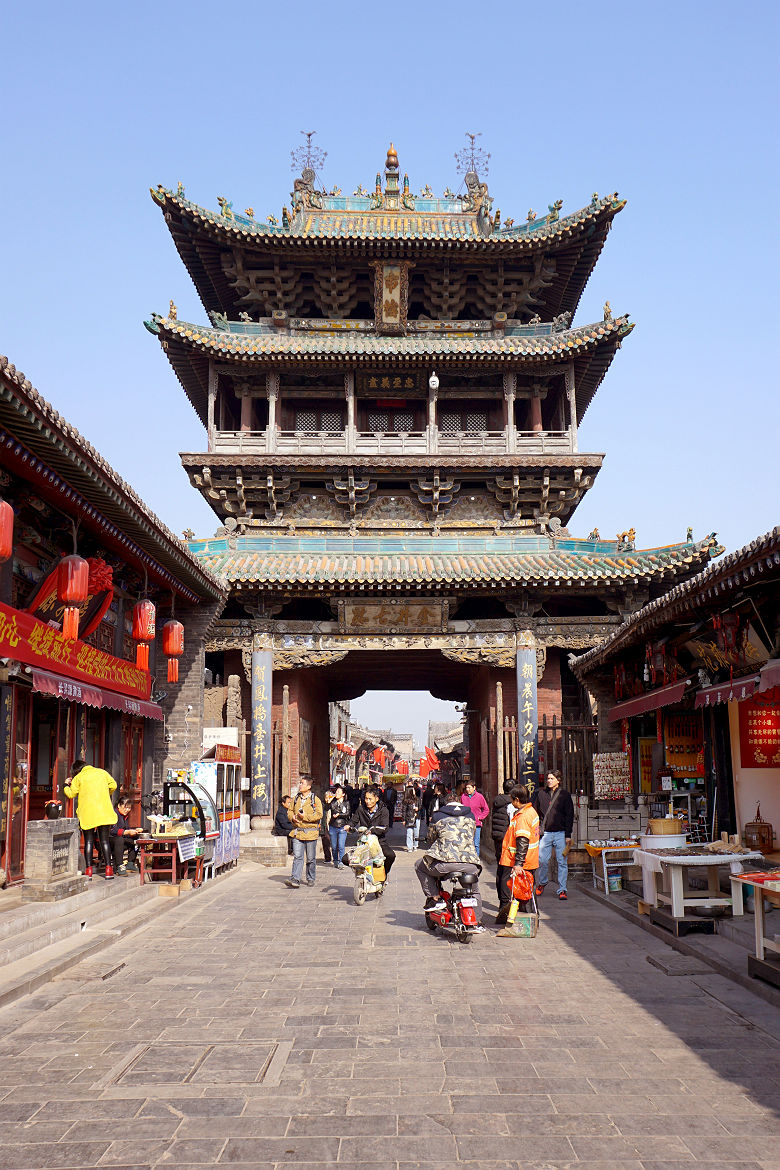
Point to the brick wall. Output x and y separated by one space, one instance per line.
602 687
309 701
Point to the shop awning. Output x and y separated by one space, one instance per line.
727 692
649 702
78 692
770 675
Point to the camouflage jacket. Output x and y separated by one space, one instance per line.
452 837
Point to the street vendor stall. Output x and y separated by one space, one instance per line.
766 889
673 866
607 860
185 833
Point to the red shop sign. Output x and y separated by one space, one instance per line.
759 730
27 640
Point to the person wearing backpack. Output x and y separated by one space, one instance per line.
556 813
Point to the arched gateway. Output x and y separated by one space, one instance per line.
391 386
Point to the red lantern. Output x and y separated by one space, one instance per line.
143 631
173 647
72 591
6 531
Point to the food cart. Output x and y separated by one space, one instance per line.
219 772
185 832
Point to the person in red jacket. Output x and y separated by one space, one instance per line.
478 805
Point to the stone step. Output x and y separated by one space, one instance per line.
28 940
28 973
17 916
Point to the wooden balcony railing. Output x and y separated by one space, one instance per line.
386 443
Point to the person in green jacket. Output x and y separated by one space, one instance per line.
93 786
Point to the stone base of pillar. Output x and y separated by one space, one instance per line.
261 846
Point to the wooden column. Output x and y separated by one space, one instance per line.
499 738
536 412
572 397
433 430
349 393
286 740
246 412
510 390
210 428
272 392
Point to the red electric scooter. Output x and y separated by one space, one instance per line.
459 916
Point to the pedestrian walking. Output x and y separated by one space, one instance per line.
500 816
478 805
325 825
307 818
340 814
520 851
410 814
556 811
95 812
391 799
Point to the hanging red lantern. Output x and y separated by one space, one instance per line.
143 631
173 647
72 591
6 531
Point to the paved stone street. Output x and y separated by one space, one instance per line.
259 1026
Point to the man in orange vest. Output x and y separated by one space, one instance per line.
520 850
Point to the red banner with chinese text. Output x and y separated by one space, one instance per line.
759 730
27 640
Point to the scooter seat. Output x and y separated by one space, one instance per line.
468 879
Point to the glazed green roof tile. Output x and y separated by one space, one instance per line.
352 218
425 562
246 341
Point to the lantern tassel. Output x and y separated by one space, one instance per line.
70 622
173 670
142 655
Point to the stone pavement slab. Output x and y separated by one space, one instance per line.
263 1027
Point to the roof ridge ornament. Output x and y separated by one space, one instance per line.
471 157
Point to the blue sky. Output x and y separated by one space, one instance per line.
671 104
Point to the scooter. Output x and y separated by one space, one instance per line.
367 862
459 915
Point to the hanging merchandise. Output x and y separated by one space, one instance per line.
6 531
173 647
72 592
143 631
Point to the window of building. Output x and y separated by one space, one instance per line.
470 422
314 419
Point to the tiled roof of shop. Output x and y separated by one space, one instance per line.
304 565
351 218
248 342
41 419
732 572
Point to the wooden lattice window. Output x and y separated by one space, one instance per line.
315 419
469 422
391 421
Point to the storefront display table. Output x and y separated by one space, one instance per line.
160 855
761 895
609 855
673 869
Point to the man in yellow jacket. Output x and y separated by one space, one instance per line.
306 815
93 786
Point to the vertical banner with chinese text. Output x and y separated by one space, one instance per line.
527 711
260 771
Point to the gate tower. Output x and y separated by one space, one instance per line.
391 386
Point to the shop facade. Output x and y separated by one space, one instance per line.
85 696
688 693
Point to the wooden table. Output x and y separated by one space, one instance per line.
760 897
675 868
165 860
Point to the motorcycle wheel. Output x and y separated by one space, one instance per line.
359 892
429 922
464 936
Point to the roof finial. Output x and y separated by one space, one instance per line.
391 162
472 157
308 157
